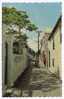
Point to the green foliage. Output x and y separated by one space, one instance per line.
25 37
22 37
11 16
31 27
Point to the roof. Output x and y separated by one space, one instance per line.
56 25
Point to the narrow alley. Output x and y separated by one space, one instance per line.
31 50
37 82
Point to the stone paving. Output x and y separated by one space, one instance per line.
42 83
42 79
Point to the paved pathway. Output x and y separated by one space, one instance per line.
45 82
38 83
44 78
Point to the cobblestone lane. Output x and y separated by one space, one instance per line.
45 82
39 83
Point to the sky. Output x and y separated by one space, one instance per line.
43 15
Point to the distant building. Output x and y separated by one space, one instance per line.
54 49
44 50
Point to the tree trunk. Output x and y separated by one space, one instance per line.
19 31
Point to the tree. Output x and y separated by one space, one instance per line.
11 16
31 27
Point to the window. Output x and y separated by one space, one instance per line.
6 62
49 58
60 33
60 37
53 62
53 43
17 48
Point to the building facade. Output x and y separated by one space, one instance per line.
44 50
54 49
14 58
